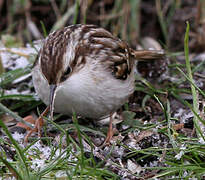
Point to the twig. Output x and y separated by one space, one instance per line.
1 66
14 52
55 8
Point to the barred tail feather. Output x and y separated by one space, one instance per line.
143 55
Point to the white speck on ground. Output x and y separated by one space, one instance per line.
179 113
18 137
8 178
183 115
134 168
201 140
181 153
61 174
38 164
188 115
44 150
154 164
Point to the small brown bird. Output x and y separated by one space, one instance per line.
86 70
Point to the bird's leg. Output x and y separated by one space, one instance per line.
110 131
38 125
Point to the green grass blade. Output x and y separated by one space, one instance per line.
76 12
189 72
13 171
45 34
14 115
19 152
190 81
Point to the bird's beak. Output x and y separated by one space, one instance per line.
52 98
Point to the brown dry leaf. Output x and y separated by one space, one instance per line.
6 118
29 119
143 135
178 126
175 126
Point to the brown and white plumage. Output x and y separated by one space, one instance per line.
92 71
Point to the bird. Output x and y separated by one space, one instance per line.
84 69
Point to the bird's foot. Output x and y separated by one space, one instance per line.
110 133
38 125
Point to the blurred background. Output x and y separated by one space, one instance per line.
22 21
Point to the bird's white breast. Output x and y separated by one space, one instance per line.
88 93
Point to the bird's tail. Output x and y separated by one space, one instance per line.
143 55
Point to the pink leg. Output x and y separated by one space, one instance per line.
38 125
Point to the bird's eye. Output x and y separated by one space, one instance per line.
66 74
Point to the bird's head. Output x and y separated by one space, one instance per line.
54 65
